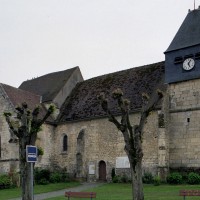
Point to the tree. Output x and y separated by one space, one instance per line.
132 134
26 127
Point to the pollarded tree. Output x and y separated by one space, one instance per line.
26 127
132 134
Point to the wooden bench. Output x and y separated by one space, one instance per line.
90 195
185 193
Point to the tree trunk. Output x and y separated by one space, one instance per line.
137 186
26 184
25 170
135 155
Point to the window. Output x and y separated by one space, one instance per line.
189 56
197 55
65 141
178 60
161 120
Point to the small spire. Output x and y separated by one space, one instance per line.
194 5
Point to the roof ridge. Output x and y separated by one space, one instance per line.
73 68
132 68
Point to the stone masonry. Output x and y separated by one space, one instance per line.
103 142
184 124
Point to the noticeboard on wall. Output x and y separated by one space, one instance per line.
122 162
91 169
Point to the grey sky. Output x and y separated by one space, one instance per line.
100 36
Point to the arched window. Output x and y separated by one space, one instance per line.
65 141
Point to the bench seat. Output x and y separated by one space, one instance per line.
90 195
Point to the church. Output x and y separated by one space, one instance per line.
79 138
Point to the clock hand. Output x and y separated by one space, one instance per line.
189 62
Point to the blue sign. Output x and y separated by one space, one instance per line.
31 153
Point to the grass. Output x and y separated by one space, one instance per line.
16 192
114 191
111 191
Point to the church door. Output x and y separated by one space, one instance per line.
102 171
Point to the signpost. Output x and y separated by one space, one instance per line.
31 154
31 157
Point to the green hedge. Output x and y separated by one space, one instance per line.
5 181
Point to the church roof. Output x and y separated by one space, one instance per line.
18 96
83 102
48 85
189 32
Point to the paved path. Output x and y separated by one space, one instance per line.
83 186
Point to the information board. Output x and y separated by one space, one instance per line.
31 153
91 169
122 162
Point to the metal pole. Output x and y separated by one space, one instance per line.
32 195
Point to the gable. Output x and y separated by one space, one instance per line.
18 96
49 85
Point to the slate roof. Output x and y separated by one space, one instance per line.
48 85
83 102
189 32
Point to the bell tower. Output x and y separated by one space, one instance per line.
182 73
182 58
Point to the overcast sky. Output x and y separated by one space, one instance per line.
100 36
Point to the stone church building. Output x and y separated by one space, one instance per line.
80 139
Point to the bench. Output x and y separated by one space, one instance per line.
90 195
185 193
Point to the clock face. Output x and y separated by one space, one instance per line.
188 64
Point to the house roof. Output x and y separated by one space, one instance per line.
189 32
18 96
83 102
48 85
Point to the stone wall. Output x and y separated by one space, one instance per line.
103 142
8 146
46 142
184 138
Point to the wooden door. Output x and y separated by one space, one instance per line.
102 171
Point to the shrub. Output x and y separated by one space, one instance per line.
56 177
15 179
43 181
147 178
156 180
5 181
41 174
40 151
65 177
121 179
116 179
124 179
193 178
113 173
175 178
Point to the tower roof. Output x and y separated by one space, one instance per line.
189 32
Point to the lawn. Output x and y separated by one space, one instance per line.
123 192
16 192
